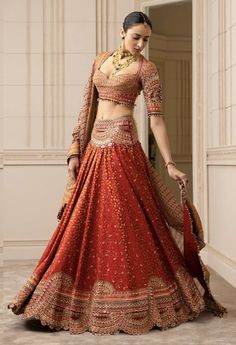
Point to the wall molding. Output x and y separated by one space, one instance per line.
170 44
1 160
223 265
221 156
24 243
34 157
101 25
23 249
53 74
199 109
222 74
1 256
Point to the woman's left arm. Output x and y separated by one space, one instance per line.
159 130
152 91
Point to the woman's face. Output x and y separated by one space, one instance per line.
136 38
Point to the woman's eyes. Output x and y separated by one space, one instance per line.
137 38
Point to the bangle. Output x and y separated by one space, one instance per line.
71 156
74 155
170 163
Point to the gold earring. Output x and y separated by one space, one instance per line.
123 44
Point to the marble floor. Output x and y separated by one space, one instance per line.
207 329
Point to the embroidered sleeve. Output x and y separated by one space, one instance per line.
152 89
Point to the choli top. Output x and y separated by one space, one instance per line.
124 88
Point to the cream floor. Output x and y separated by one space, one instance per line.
206 329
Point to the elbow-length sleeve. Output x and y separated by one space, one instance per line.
152 89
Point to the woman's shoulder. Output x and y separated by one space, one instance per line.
102 55
148 65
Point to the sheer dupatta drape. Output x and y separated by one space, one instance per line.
82 131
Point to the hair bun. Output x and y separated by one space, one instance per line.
135 18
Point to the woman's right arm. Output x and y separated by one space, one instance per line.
76 147
73 167
79 133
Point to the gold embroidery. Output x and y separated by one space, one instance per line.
120 131
57 303
152 89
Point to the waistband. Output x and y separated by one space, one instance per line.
121 130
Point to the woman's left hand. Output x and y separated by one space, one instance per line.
177 175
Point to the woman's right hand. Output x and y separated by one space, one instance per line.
73 167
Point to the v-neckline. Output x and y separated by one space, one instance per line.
118 75
115 76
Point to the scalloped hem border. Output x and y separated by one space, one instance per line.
116 330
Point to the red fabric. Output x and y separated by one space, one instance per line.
191 253
112 228
190 247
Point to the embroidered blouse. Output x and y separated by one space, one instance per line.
124 88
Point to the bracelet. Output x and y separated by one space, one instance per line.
170 163
71 156
74 155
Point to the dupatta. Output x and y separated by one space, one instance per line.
82 131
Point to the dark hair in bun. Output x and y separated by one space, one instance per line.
135 18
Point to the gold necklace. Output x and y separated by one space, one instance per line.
118 55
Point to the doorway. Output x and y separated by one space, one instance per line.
170 48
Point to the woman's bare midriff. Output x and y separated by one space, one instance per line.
108 110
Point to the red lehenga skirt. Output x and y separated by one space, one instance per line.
124 255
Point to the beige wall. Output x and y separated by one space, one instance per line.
221 136
48 49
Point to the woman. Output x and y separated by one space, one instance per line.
125 253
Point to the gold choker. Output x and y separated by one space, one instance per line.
117 56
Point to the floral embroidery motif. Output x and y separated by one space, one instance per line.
152 89
120 131
105 310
